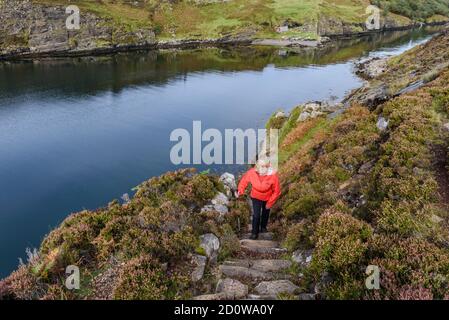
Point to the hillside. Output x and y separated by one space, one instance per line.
365 187
37 27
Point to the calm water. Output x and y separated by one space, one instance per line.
77 133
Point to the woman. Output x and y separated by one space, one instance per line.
265 191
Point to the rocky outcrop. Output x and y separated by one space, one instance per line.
371 68
29 29
312 110
334 27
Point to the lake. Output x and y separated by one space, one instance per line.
76 133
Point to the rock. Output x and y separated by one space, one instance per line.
382 123
220 199
270 265
216 296
436 219
313 110
325 280
316 114
276 287
302 257
370 96
232 289
36 29
280 114
207 208
211 244
221 209
366 167
303 116
411 87
261 246
446 126
307 296
200 264
264 265
331 107
228 180
244 273
371 68
260 297
312 106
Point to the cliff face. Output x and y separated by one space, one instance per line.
37 29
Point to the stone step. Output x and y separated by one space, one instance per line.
261 246
276 287
233 289
260 297
244 273
214 296
264 265
262 236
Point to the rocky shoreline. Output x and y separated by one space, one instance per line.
31 30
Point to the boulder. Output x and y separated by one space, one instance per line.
382 123
200 264
280 114
220 199
228 180
221 209
302 257
273 288
232 289
211 244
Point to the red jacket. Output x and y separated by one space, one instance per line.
264 188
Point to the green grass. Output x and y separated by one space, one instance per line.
285 153
259 18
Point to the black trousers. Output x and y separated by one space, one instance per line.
260 215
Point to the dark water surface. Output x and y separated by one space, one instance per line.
76 133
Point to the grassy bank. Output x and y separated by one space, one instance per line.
256 18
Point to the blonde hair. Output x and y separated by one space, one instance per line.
262 163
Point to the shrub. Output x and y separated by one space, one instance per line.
141 278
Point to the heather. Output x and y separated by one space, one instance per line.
358 195
144 244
